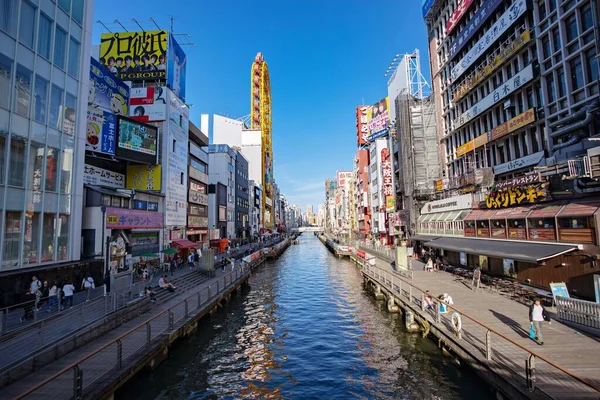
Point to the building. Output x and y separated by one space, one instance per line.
198 170
217 210
515 85
255 209
242 198
362 209
222 159
381 188
43 106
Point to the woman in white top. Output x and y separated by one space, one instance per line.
538 314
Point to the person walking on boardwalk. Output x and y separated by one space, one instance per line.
53 297
537 315
88 285
68 290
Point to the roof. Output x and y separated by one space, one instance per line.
519 251
184 244
108 191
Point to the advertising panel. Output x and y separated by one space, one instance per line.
518 80
124 218
102 177
378 117
197 221
507 19
106 91
176 68
390 204
148 104
198 197
524 180
532 159
476 22
144 177
508 266
136 141
459 12
513 124
135 56
101 131
472 145
515 196
362 125
387 185
268 174
452 204
343 177
426 6
177 191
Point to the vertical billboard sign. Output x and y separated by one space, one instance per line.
176 67
387 185
362 126
106 91
148 104
378 117
343 178
101 132
459 12
135 56
177 190
136 141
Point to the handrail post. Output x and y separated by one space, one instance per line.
148 333
77 383
119 354
185 302
530 372
422 301
217 286
81 314
171 317
35 313
409 294
438 315
488 345
209 293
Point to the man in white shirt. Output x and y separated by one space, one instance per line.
88 285
68 290
165 284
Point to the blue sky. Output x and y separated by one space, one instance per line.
325 57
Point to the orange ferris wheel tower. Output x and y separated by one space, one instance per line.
260 118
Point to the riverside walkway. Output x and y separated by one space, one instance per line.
567 366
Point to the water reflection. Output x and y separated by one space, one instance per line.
305 329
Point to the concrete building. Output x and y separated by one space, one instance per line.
221 159
44 87
379 188
362 209
217 210
255 208
197 219
242 198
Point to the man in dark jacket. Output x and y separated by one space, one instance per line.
538 314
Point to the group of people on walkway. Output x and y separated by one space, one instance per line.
57 294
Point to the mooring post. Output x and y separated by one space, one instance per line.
530 372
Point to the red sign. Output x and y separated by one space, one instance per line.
362 128
459 12
124 218
386 170
360 253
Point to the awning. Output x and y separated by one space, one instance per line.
184 244
108 191
423 238
473 215
486 214
546 210
519 251
452 216
462 215
583 209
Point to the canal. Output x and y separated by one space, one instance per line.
304 328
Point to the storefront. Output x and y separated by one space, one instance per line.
444 217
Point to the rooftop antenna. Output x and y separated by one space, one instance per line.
103 25
120 24
183 39
155 24
138 24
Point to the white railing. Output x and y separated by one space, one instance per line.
581 312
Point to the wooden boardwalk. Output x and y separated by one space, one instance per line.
563 346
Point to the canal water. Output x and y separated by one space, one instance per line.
304 328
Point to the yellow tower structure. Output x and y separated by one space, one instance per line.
260 118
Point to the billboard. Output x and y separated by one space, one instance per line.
136 141
143 177
177 162
102 177
459 12
426 6
362 127
101 131
176 68
135 56
106 91
148 104
343 177
378 117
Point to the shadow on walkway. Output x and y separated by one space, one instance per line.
514 325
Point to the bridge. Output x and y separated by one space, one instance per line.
308 229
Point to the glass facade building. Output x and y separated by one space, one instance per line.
43 92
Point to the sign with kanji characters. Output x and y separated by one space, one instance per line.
102 177
343 178
513 124
378 117
387 183
124 218
144 177
524 180
515 196
527 161
101 132
362 126
459 12
502 25
503 90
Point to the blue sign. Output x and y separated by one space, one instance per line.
481 16
140 205
152 206
176 68
101 131
426 5
107 92
377 135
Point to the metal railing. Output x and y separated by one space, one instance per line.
70 381
501 354
586 313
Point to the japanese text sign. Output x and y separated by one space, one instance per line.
144 177
362 126
101 132
378 119
476 22
515 196
459 12
387 187
124 218
343 178
513 124
102 177
519 181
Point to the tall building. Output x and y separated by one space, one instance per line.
198 172
255 208
242 197
361 194
222 159
44 84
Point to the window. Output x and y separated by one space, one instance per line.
5 76
551 88
56 102
152 206
66 173
516 146
35 167
41 99
27 24
543 13
12 238
546 47
63 236
556 39
2 157
60 47
66 5
574 223
576 73
16 166
48 231
77 13
70 116
44 36
541 223
592 65
106 200
22 90
115 201
571 26
587 19
8 16
516 223
52 159
562 83
74 48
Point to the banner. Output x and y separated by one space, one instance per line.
136 141
343 177
176 68
102 177
144 177
362 126
106 91
135 56
378 117
459 12
148 104
101 132
124 218
521 120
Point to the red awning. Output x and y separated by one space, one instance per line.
546 210
581 209
474 215
184 244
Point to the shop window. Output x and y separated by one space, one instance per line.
22 90
470 224
16 168
32 240
574 223
48 232
63 236
27 24
576 73
498 223
541 223
60 47
8 16
12 239
44 36
484 224
517 223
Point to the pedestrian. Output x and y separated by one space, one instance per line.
165 284
68 290
34 290
191 259
172 266
44 293
88 285
428 301
53 297
538 314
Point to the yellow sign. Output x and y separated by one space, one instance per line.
480 140
390 204
513 124
472 145
112 219
439 185
143 177
514 196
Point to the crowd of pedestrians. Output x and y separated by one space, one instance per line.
57 294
